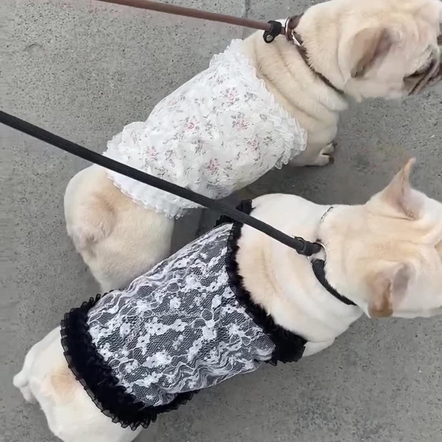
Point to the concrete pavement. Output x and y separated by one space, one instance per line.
83 70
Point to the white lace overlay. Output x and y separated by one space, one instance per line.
179 327
217 133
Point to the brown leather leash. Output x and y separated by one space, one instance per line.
271 29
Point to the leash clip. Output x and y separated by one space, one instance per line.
308 248
273 32
289 30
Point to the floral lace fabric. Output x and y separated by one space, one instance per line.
179 328
106 390
217 133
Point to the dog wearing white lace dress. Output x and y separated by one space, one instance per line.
258 106
230 301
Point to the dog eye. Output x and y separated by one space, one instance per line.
417 74
422 70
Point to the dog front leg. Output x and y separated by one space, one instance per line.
315 155
312 348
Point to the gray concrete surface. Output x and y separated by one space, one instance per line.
83 70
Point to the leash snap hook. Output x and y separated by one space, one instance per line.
308 248
289 30
273 32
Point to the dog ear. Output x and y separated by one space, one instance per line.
367 46
387 287
400 196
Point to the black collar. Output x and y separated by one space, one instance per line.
309 250
318 267
295 38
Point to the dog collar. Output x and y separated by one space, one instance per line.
291 35
318 268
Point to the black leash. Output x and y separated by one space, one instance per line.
302 246
299 244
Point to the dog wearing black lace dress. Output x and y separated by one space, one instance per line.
231 301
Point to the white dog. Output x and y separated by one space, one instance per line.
251 300
258 106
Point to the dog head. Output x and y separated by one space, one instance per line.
387 254
394 50
383 48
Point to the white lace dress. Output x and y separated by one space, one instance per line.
217 133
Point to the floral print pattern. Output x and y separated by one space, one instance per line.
179 328
220 131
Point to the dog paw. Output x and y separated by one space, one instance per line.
329 149
323 160
325 157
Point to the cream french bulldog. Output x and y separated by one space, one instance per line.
258 106
382 259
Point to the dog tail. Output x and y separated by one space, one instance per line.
20 380
94 223
90 217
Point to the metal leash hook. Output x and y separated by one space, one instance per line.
289 30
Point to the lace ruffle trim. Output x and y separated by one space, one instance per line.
97 378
